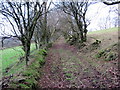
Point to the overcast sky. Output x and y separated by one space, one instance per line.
97 13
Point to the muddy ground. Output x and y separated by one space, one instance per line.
68 67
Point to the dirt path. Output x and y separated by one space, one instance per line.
66 68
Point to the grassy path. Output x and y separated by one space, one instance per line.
66 68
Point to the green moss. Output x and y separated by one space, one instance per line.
108 54
68 74
40 59
24 86
65 69
69 79
111 56
35 65
32 72
42 52
31 82
100 53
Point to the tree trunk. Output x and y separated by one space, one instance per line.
45 24
85 33
36 43
85 37
81 31
26 48
27 51
81 37
2 43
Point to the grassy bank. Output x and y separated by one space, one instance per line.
11 56
28 76
104 31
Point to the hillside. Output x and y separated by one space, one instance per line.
107 37
49 44
95 65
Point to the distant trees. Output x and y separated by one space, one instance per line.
77 11
49 27
110 19
58 24
54 24
116 21
23 17
45 29
40 33
105 22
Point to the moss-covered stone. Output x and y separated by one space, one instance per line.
108 54
111 56
100 53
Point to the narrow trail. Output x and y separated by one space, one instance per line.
65 68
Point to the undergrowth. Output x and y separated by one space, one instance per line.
109 53
29 77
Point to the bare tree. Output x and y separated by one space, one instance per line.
23 17
59 24
77 10
41 33
117 19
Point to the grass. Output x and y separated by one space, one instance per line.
10 56
104 31
16 68
107 37
99 58
69 79
68 74
30 74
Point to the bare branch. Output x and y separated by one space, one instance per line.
112 3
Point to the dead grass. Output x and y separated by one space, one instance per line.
107 37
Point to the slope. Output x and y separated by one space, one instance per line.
68 66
